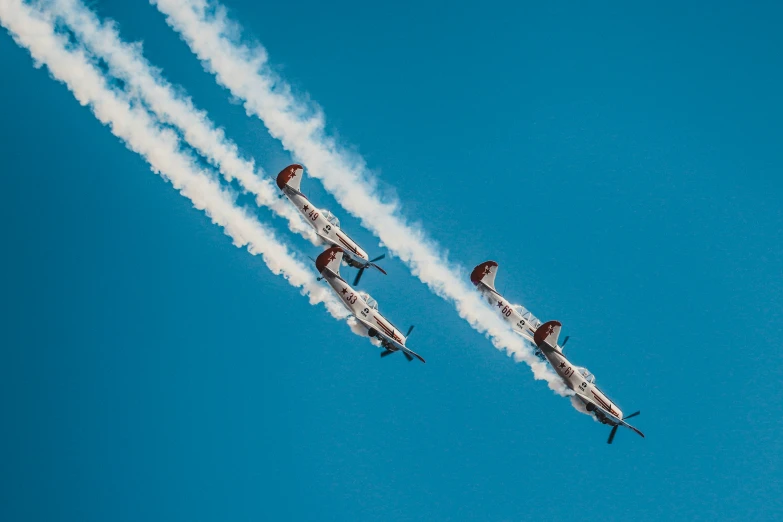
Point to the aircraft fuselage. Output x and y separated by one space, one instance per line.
370 317
328 233
570 373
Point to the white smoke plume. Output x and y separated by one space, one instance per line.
244 71
160 147
170 105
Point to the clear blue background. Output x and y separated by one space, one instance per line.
623 165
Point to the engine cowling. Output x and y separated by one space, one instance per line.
590 407
372 332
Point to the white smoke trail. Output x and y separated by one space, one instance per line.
160 147
244 71
127 62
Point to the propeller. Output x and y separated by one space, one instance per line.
387 352
407 356
614 428
371 262
567 337
409 331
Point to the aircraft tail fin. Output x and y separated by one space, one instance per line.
290 176
485 274
547 334
330 260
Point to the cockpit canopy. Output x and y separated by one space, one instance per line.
589 377
527 316
372 303
331 218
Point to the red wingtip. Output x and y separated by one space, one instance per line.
286 174
326 257
480 271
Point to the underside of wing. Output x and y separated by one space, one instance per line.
599 408
395 344
524 332
291 190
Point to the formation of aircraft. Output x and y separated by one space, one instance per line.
544 337
326 224
341 249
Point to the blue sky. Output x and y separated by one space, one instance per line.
623 167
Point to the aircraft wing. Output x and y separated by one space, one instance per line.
401 347
525 333
615 418
292 190
411 352
588 400
390 341
365 322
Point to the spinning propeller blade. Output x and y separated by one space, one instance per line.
567 337
614 429
408 356
370 263
409 331
387 352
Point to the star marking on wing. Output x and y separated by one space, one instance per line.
562 365
306 207
500 303
345 290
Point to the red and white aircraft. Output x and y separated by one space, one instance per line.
545 336
326 225
363 306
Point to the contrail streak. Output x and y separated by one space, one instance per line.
244 72
127 62
160 147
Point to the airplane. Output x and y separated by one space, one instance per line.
363 306
544 337
326 225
